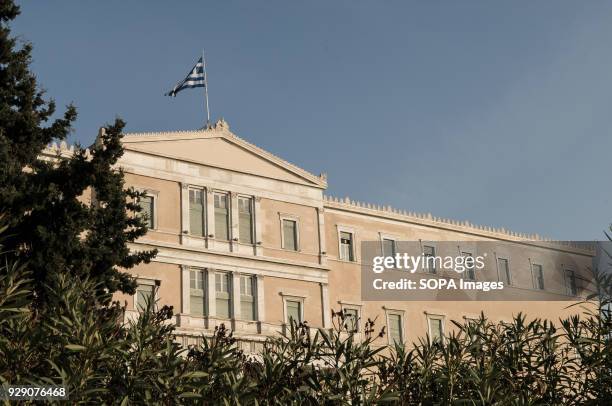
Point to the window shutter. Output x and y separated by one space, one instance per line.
144 294
196 212
293 311
221 217
146 204
245 220
435 327
395 328
289 234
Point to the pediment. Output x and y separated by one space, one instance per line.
220 149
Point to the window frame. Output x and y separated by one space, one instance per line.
154 283
228 217
426 269
202 190
402 330
473 268
568 291
205 292
292 298
251 200
536 284
296 219
439 317
344 229
154 195
350 306
230 298
509 279
254 297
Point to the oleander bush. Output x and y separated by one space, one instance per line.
79 340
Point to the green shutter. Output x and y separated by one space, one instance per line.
221 217
351 320
435 328
290 235
395 328
144 294
196 212
147 206
245 220
294 311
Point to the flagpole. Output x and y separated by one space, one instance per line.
206 91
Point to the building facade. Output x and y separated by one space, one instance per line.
249 240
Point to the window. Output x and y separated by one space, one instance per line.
290 234
221 216
144 296
388 247
436 331
222 294
429 253
351 320
196 212
570 283
538 277
470 271
147 206
346 246
245 220
294 310
197 292
504 270
247 297
396 334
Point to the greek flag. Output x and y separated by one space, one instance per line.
194 79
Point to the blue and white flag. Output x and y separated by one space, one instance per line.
195 78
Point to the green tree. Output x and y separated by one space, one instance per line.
51 228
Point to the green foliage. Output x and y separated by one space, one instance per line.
52 228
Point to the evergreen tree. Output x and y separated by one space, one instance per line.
51 225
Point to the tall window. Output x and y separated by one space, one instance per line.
197 292
245 219
388 247
570 283
435 328
351 320
144 295
470 271
247 297
504 270
429 252
538 277
221 216
294 310
223 294
396 334
346 246
196 212
147 205
290 235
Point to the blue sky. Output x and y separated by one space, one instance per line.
498 113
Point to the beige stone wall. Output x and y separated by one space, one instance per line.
164 164
168 203
271 213
169 276
310 292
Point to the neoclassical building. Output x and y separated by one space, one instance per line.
249 240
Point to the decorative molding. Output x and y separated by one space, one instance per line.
426 219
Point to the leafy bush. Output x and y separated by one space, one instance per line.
78 340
